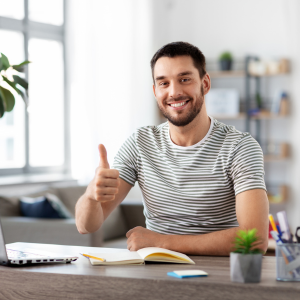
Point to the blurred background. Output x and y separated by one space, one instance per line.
90 82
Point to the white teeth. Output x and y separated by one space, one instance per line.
178 104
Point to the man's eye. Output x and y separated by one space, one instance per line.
163 83
185 79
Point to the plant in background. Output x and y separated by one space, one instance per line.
226 56
225 61
9 78
246 242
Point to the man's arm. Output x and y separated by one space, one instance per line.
104 193
252 210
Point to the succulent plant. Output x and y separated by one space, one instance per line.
246 242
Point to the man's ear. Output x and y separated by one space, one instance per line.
206 83
154 90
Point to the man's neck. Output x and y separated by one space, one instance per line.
192 133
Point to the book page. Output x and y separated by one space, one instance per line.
160 254
126 257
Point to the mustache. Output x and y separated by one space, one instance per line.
180 98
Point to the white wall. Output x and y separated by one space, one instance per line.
109 50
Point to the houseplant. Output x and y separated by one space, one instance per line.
225 60
11 81
246 260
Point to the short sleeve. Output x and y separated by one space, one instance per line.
126 161
247 168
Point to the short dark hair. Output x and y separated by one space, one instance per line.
181 49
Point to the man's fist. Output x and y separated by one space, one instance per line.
140 237
105 184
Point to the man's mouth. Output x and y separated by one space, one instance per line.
179 103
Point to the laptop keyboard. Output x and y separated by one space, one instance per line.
14 254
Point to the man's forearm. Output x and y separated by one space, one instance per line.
88 214
219 243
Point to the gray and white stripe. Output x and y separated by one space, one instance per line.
191 190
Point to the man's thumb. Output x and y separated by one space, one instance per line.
103 157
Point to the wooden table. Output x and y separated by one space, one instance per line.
80 280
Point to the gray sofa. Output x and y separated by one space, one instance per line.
17 228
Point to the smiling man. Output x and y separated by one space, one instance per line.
201 180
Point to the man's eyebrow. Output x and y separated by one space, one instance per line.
180 74
159 78
185 73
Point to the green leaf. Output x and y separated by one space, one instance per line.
5 62
8 99
13 85
246 242
2 110
22 82
20 67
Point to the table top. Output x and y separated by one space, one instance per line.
218 269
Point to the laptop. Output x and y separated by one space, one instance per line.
29 256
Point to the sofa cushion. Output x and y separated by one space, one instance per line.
39 207
48 206
70 195
9 206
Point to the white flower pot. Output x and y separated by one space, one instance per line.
245 267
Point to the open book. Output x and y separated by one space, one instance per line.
139 257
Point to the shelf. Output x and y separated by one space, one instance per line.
271 158
260 116
240 116
227 74
268 115
239 74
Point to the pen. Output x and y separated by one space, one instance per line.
273 223
94 257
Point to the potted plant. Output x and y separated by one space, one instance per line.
9 80
225 60
246 260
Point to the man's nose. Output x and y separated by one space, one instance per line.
175 90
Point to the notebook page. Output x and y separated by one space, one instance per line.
153 250
118 256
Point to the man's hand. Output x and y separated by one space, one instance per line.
140 237
106 182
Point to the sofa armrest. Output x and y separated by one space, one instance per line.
47 231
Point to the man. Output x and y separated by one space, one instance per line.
201 180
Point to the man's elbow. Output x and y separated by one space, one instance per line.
264 245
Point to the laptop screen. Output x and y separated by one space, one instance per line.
3 254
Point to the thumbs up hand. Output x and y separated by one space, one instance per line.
105 184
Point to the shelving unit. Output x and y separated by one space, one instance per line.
281 194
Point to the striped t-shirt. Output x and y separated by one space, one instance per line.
191 190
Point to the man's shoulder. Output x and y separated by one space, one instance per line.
230 134
228 130
151 130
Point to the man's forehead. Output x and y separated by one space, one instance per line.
173 65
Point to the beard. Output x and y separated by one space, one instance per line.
191 115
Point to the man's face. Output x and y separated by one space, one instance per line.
178 89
